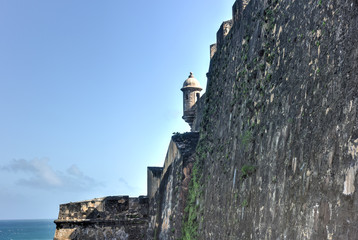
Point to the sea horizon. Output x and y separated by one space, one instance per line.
27 229
27 219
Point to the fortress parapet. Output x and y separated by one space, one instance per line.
237 13
237 9
167 204
212 50
223 32
154 175
114 217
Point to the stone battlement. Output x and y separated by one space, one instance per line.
117 217
237 13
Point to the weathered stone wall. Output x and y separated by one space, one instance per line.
154 175
223 32
167 207
277 156
118 217
199 111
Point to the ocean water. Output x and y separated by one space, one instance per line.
27 229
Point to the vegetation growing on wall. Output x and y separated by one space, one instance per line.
192 210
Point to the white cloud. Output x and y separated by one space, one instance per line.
39 174
126 185
74 171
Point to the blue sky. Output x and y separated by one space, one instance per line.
90 94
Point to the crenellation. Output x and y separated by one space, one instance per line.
237 10
199 108
115 216
213 48
237 13
154 175
223 32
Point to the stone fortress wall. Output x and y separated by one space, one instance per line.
273 148
117 217
277 153
121 217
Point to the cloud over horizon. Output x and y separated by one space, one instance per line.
126 185
39 174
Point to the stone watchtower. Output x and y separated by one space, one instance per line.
191 93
